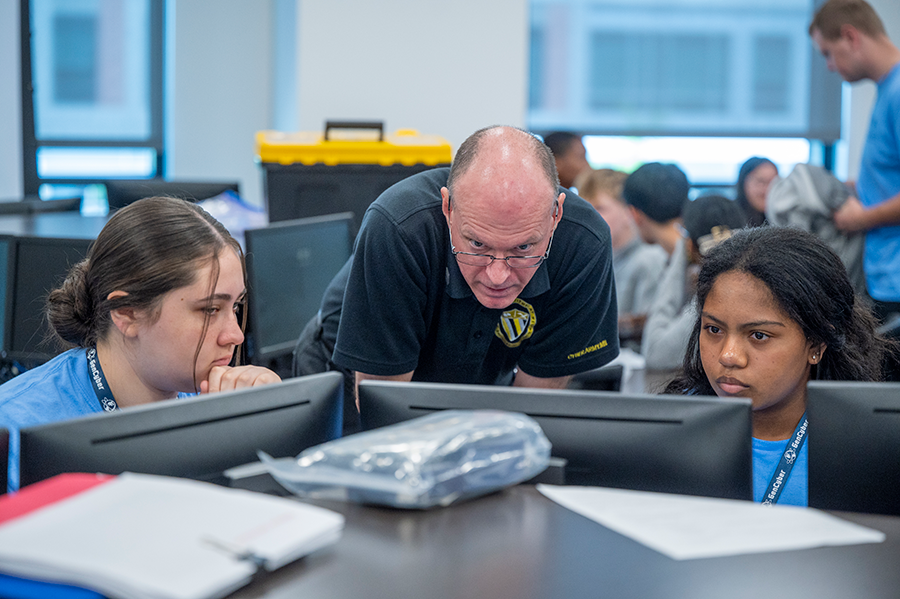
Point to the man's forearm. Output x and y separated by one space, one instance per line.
524 379
883 214
361 376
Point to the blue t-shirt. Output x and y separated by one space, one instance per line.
766 456
57 390
879 180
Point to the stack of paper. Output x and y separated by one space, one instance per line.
154 537
684 527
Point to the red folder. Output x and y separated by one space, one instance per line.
38 495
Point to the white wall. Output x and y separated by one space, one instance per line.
10 103
443 68
219 52
284 65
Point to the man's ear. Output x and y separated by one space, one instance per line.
558 210
445 203
125 319
851 34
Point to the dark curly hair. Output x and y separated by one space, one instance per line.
809 283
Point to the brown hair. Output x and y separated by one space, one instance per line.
146 249
593 182
835 13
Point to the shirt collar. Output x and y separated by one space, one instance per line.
894 72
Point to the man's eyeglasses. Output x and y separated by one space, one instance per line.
511 261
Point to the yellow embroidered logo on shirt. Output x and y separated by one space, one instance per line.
516 324
588 350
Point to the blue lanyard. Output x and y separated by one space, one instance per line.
98 381
788 458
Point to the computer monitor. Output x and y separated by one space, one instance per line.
289 266
34 267
674 444
198 437
4 459
121 192
7 285
35 205
854 446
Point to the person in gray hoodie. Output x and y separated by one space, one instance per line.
707 220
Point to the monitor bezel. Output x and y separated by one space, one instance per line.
44 347
386 402
75 445
260 353
8 295
4 460
854 453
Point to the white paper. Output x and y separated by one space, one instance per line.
684 527
158 537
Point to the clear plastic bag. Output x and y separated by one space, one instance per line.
430 461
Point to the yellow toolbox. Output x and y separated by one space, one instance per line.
342 169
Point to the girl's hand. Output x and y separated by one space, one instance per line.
227 378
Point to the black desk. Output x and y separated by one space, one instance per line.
518 544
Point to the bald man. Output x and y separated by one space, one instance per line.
487 272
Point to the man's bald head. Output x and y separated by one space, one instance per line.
502 199
497 148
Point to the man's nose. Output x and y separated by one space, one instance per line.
498 270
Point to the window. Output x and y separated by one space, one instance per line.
92 92
707 161
679 67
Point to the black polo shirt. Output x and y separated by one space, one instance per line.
406 306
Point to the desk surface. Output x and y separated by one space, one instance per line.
519 544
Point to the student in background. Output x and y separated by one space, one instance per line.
656 194
707 221
807 198
754 179
150 315
852 38
762 334
569 154
637 266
